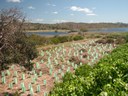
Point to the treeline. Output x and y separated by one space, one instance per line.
72 26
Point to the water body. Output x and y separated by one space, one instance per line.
66 33
111 30
48 33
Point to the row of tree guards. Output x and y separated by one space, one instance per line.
52 66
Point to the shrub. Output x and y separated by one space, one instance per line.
83 70
78 37
55 40
104 41
68 77
14 46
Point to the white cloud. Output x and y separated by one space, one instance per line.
87 11
91 14
49 4
14 1
55 12
31 7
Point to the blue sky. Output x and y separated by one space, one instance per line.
56 11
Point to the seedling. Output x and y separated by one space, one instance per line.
45 94
81 64
40 74
3 74
3 80
29 86
23 76
31 91
59 71
10 85
45 82
63 67
68 70
42 61
50 71
75 66
8 72
33 80
15 80
38 88
37 65
23 88
15 74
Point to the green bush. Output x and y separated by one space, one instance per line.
55 40
68 77
83 70
78 37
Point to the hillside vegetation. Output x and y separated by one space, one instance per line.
73 26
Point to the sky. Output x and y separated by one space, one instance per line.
58 11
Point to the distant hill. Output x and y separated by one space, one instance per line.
72 26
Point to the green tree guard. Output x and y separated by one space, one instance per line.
38 88
45 82
8 72
3 80
23 76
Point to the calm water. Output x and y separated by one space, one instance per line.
48 33
66 33
111 30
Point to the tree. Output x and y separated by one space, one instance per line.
14 45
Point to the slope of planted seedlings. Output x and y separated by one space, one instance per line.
50 67
109 77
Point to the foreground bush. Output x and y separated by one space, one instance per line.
14 45
107 78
